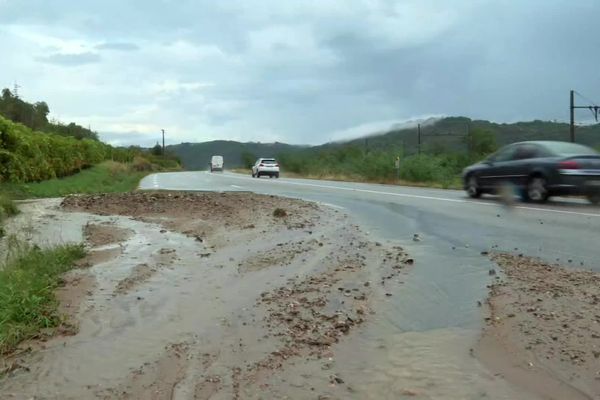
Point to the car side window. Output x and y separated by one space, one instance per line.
505 154
525 152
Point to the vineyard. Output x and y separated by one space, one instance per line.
32 156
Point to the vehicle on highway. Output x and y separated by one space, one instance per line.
538 170
216 163
265 166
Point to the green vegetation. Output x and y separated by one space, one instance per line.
196 156
8 208
106 177
28 156
28 278
447 146
35 117
353 162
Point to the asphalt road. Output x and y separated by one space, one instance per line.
451 273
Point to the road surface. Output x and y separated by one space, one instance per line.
439 300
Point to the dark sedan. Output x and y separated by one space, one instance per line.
538 170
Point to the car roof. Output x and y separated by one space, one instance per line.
546 142
555 145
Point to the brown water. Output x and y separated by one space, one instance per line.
185 329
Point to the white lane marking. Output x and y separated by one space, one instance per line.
237 187
418 196
332 205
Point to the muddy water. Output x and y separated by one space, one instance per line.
182 331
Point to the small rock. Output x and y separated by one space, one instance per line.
388 294
492 272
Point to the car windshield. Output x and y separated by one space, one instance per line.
569 149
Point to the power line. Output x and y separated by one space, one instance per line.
594 108
585 98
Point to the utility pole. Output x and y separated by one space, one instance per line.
593 108
572 108
419 138
163 137
16 90
469 141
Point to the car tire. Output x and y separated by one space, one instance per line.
472 187
277 175
536 190
254 176
594 198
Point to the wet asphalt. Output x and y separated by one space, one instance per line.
451 274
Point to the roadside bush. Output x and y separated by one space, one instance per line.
29 156
8 208
141 164
116 168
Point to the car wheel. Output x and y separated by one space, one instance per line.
537 190
277 175
473 189
253 175
594 198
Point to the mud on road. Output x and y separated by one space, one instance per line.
208 296
543 331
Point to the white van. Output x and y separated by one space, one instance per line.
216 163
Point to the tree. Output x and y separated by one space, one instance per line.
481 142
156 150
248 159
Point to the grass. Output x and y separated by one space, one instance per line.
8 208
28 278
453 183
107 177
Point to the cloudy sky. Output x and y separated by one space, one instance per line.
296 71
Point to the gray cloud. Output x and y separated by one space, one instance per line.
70 60
300 71
119 46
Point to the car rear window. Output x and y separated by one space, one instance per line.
269 161
563 148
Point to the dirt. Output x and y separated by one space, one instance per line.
210 295
103 234
543 331
198 214
76 286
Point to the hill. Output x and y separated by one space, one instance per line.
196 156
445 135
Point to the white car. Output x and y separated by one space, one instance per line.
216 163
265 166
